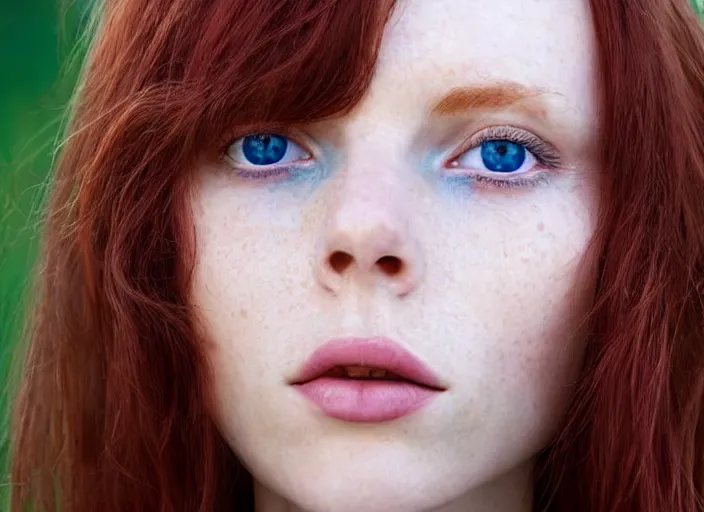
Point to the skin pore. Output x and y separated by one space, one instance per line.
394 221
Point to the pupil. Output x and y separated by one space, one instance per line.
264 148
503 155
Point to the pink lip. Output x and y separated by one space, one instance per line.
367 400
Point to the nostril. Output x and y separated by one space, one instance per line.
339 261
390 265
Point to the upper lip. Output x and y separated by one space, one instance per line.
378 352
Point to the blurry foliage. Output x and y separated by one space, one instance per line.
40 57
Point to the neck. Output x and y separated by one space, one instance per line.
510 492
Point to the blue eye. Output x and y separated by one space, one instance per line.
502 155
498 156
264 149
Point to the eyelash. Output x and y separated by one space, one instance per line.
263 173
545 155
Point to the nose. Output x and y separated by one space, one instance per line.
368 240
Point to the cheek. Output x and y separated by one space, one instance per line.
535 354
514 312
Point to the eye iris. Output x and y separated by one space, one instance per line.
503 155
264 148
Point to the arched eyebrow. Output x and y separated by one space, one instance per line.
493 97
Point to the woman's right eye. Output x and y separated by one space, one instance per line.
264 152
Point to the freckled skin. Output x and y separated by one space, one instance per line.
493 287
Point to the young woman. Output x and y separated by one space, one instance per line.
349 255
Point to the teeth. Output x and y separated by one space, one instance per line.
357 371
362 372
336 372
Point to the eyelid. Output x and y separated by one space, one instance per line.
545 153
290 132
265 170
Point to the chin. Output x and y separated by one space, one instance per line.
341 491
373 481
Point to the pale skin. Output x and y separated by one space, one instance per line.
494 281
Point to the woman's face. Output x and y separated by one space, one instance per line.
450 212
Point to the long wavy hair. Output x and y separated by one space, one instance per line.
114 409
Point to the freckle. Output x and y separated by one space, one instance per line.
541 226
243 313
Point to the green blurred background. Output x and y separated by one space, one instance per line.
39 63
40 57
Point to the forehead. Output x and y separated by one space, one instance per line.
432 46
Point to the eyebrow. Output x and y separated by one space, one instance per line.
493 96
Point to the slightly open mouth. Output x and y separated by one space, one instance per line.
378 362
362 373
370 373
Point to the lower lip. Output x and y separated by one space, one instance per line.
366 401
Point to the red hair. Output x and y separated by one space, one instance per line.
114 409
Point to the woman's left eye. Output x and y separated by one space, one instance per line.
507 156
264 149
498 156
